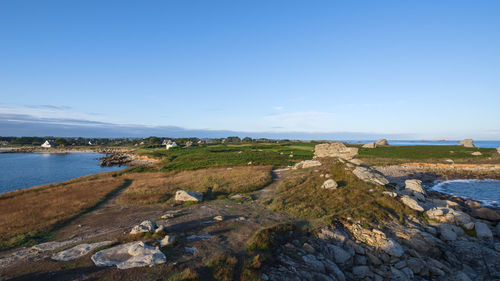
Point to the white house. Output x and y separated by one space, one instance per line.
91 143
48 144
169 144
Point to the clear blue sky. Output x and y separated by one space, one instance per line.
407 69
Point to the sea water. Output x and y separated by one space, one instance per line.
23 170
487 191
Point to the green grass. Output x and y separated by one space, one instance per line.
230 155
222 267
267 238
427 152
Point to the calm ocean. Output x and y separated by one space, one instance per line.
22 170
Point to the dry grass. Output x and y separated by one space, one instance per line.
28 213
148 188
223 267
302 196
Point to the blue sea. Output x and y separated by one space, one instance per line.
486 191
22 170
483 144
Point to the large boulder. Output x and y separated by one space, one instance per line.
411 203
335 149
133 254
329 184
381 142
78 251
370 175
182 195
369 145
467 143
483 231
415 186
306 164
486 214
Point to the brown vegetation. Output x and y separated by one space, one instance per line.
27 213
148 188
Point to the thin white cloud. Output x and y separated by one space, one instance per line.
305 121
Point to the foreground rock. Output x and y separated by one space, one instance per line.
134 254
467 143
411 203
335 149
381 142
78 251
370 175
415 186
185 196
329 184
307 164
143 227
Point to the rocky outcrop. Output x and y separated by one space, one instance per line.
115 159
185 196
78 251
476 153
370 175
381 142
335 149
411 203
467 143
329 184
414 186
369 145
133 254
307 164
168 240
451 216
377 239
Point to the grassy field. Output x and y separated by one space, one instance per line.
27 214
302 196
192 158
427 153
159 187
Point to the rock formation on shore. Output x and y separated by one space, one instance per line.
335 149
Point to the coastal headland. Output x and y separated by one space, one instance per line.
258 211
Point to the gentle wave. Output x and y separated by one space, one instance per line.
486 191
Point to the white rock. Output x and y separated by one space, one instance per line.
182 195
167 240
390 193
133 254
335 149
370 175
483 231
218 218
412 204
329 184
160 228
392 248
369 145
448 215
476 153
306 164
168 216
414 185
78 251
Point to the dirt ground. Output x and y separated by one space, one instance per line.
113 221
